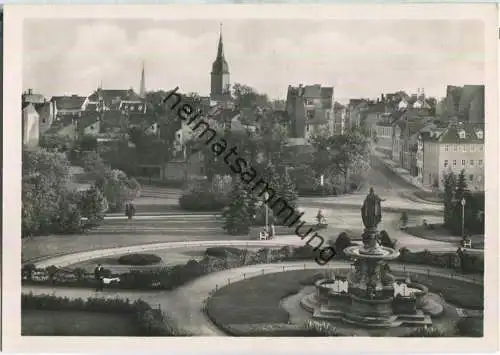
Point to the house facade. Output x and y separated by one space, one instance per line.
458 147
310 110
66 106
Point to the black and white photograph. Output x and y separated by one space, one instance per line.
257 175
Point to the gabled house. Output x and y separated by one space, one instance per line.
115 100
66 106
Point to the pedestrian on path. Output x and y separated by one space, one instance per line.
129 210
98 273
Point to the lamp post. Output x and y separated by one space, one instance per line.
266 196
462 202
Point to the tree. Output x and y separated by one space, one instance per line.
346 155
93 204
45 177
461 187
247 97
118 189
449 182
57 142
237 215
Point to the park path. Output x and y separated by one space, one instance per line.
184 305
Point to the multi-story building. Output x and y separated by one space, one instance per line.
340 119
460 146
310 110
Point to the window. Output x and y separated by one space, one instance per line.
464 148
446 163
463 162
139 107
310 114
472 147
481 147
446 147
480 162
308 101
455 147
471 163
461 134
454 163
307 128
480 134
132 108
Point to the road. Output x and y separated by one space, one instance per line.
184 305
164 224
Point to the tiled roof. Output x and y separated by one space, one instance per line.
73 102
451 134
109 96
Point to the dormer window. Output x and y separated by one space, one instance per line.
479 134
461 134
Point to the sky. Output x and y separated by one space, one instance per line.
359 58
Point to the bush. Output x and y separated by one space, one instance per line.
321 328
139 259
223 252
470 327
386 241
202 201
343 241
426 332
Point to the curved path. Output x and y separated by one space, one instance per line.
185 304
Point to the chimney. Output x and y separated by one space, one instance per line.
30 91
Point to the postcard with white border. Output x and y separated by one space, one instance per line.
241 177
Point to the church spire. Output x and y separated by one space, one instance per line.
142 90
220 50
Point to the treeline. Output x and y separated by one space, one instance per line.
455 193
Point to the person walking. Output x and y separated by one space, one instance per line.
98 273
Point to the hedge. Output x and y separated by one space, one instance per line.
202 201
150 321
215 259
465 263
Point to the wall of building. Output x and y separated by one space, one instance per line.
31 130
431 169
467 157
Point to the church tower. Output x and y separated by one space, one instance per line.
142 90
220 87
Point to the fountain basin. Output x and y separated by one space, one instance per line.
381 253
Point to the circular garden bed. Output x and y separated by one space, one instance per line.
139 259
252 307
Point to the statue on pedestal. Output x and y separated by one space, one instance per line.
371 212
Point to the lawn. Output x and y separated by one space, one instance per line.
75 323
458 293
243 307
439 233
257 300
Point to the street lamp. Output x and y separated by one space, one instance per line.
462 202
266 196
